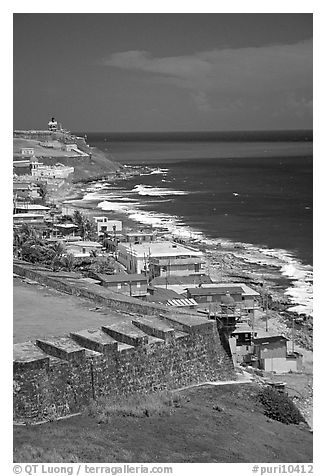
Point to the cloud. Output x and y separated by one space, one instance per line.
233 73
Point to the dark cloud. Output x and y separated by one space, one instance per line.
234 72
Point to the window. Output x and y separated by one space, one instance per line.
197 267
119 285
138 284
209 298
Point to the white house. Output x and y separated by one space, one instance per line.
104 225
160 258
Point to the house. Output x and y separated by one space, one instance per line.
168 297
27 151
28 218
241 343
69 147
244 297
84 249
179 284
25 189
105 225
138 237
273 356
212 293
25 207
160 258
129 284
64 230
57 171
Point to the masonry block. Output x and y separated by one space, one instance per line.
63 348
128 333
155 327
28 356
95 339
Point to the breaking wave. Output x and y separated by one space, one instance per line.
147 190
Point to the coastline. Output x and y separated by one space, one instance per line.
226 261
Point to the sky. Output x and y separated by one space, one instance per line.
163 72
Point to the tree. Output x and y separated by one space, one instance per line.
85 227
68 262
43 190
102 265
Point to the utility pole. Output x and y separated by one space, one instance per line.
293 335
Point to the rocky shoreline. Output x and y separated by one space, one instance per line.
224 262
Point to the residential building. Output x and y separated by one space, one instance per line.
28 218
167 297
25 190
84 249
241 343
105 225
244 297
179 284
129 284
160 258
273 355
57 171
25 207
27 151
138 237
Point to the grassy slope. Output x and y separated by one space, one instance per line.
98 165
195 432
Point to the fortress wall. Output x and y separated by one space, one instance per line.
47 387
93 292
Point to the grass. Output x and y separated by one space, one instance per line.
140 406
202 425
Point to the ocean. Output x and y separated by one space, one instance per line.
254 189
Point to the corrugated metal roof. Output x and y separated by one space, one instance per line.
182 302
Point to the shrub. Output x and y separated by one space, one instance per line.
139 406
279 406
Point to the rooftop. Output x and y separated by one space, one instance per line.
121 277
161 249
265 337
212 289
246 290
31 206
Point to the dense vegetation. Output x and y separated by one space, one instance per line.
279 406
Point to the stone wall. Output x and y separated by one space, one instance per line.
96 293
147 351
59 376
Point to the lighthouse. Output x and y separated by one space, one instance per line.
53 125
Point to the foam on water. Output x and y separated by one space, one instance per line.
276 261
147 190
157 171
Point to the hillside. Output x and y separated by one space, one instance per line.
217 424
88 162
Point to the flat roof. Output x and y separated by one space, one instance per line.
66 225
242 328
31 206
28 215
262 338
121 277
160 249
246 290
88 243
205 290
